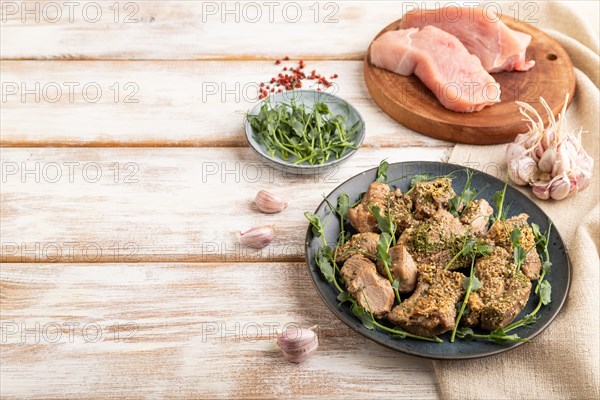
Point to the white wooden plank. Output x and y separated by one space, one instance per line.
216 29
190 30
166 103
184 330
158 204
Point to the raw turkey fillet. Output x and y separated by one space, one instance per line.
441 62
498 47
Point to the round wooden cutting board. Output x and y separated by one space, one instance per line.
409 102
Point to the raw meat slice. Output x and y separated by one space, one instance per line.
481 31
441 62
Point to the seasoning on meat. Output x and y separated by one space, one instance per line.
436 240
400 209
500 233
372 291
360 216
402 268
428 197
477 215
431 310
503 293
361 243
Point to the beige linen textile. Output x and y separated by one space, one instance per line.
563 361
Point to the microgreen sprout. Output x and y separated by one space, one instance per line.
369 322
382 171
470 283
498 336
323 257
458 204
499 197
300 134
519 253
543 287
388 232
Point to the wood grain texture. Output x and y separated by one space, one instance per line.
204 30
159 204
184 330
160 103
410 102
145 29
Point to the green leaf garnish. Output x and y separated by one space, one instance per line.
382 171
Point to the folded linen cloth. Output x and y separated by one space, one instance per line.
563 361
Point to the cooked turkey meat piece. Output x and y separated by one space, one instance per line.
431 310
436 240
402 268
400 210
371 290
500 232
361 217
428 197
503 293
361 243
477 215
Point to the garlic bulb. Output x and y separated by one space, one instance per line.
258 237
269 204
297 344
548 158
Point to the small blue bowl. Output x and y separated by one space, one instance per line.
307 97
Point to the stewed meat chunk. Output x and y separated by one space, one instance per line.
361 243
361 217
372 291
430 196
402 268
500 232
436 240
477 215
431 310
503 294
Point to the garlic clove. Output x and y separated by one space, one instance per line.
267 203
580 179
547 139
531 140
562 165
298 344
547 160
523 171
560 188
538 152
574 186
572 152
513 168
528 169
562 161
541 190
514 151
258 237
584 161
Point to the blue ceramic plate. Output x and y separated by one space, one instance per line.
559 277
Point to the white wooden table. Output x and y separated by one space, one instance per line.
125 175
